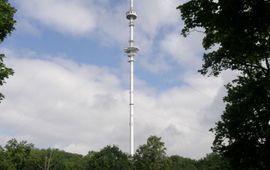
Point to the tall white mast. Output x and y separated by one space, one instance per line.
131 52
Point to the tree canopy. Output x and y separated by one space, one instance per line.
152 155
108 158
6 19
15 154
237 31
23 156
237 37
178 162
243 134
54 159
213 161
7 23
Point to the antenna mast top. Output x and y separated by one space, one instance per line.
131 4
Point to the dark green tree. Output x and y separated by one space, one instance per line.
108 158
180 163
3 161
36 160
237 33
17 154
6 27
152 155
213 161
54 159
243 134
237 37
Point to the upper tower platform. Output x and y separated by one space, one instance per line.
131 14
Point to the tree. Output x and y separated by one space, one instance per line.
243 134
237 37
213 161
152 155
237 33
108 158
180 163
17 154
61 160
3 161
6 27
54 159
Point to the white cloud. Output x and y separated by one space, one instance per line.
56 102
80 17
105 21
156 34
155 14
154 65
27 27
77 148
68 16
185 51
112 24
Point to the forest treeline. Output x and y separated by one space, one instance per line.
21 155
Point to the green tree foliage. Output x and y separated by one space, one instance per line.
54 159
152 155
237 37
180 163
3 162
6 27
6 19
213 161
15 154
22 156
239 31
245 123
108 158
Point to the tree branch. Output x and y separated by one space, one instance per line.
257 67
194 30
267 65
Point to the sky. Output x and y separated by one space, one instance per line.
70 89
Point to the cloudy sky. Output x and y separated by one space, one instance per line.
71 82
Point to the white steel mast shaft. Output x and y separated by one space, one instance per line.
131 108
131 4
131 52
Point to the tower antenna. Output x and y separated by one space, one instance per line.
131 51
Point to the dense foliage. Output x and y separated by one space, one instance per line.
245 122
6 27
237 37
213 161
238 29
108 158
14 155
54 159
178 162
151 156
